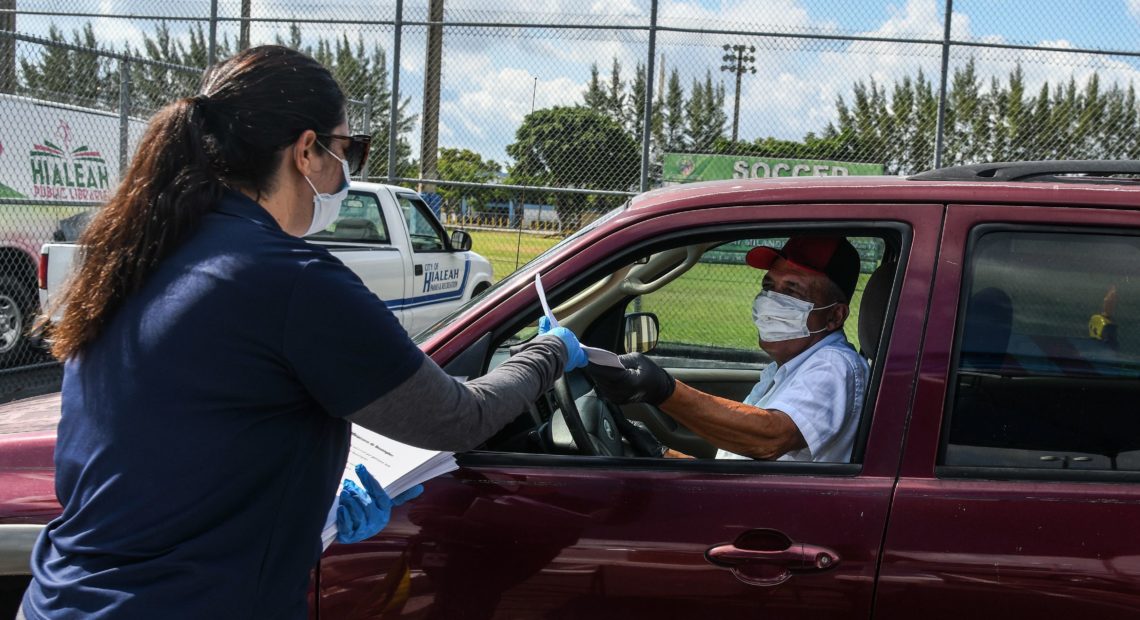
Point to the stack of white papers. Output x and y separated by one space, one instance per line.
396 466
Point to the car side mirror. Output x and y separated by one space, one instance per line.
460 240
641 331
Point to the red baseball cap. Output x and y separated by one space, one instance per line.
833 257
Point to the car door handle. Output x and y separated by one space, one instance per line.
419 270
767 558
798 557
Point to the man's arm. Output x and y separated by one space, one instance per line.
736 427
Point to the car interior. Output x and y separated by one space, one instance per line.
687 306
1035 387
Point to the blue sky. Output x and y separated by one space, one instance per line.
489 78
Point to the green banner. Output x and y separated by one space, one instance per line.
690 167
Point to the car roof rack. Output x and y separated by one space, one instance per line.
1063 171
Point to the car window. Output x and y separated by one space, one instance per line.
1048 353
706 314
425 232
707 337
359 221
522 272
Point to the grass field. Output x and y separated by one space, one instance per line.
508 251
711 305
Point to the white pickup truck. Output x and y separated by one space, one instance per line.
388 236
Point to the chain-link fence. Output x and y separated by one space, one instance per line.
522 123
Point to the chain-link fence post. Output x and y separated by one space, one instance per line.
939 129
8 47
124 113
519 214
429 134
394 120
367 122
647 113
212 53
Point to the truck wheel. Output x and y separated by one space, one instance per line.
17 309
479 288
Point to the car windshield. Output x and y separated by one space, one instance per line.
518 273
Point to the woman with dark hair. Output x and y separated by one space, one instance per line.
214 360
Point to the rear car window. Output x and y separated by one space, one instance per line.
1048 354
359 221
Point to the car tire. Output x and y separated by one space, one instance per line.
17 311
479 288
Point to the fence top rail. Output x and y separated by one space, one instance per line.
39 202
27 38
535 26
512 188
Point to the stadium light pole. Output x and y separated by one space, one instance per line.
738 59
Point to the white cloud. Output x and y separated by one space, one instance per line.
1133 8
489 76
492 110
771 14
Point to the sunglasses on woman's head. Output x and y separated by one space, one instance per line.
355 152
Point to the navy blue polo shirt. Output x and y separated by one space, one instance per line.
203 433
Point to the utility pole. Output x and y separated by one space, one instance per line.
429 136
243 33
738 59
8 47
212 50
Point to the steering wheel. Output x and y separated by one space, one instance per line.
573 418
600 431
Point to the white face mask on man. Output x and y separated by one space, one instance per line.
326 207
782 317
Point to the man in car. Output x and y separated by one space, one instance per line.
807 403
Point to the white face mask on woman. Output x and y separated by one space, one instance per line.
326 207
782 317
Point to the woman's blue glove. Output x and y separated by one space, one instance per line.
575 356
362 513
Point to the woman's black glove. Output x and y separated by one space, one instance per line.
641 381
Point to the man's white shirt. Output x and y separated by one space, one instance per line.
822 391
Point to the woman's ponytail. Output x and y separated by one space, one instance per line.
168 188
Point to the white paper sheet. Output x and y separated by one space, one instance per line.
542 300
598 356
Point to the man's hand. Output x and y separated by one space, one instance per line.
641 381
362 513
640 437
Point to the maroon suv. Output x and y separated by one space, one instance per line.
996 469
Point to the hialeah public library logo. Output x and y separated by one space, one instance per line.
61 172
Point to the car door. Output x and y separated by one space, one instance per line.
512 535
361 238
440 275
1020 486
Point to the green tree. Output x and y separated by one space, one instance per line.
615 94
608 98
634 121
469 167
673 116
152 85
595 95
574 147
72 76
705 118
